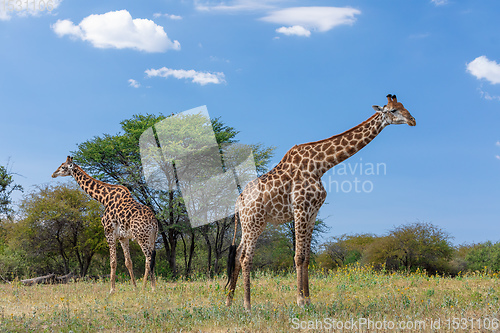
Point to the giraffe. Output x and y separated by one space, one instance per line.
123 219
292 190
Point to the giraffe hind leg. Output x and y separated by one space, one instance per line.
149 252
152 269
233 278
128 261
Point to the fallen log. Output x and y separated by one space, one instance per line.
46 279
65 278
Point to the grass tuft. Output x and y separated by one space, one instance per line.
197 305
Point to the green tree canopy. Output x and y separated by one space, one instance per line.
7 186
412 246
59 230
344 249
116 159
484 256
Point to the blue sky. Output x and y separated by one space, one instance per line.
282 73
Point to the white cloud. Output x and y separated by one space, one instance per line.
309 18
133 83
170 16
439 2
236 5
201 78
483 68
497 157
296 30
4 16
27 8
497 144
118 30
486 95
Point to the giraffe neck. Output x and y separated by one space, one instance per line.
338 148
96 189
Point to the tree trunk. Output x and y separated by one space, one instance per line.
204 232
222 229
86 265
172 241
61 252
172 237
164 238
191 252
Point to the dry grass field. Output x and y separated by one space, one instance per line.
354 299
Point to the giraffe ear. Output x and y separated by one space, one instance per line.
377 108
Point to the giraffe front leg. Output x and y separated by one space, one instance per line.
148 251
246 265
299 260
112 264
305 265
128 260
303 235
305 279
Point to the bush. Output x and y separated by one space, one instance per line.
417 245
484 256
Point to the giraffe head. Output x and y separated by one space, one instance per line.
395 113
65 169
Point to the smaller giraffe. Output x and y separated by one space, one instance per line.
123 219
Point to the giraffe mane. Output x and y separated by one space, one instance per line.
341 134
99 181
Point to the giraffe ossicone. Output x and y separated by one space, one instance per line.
123 219
293 190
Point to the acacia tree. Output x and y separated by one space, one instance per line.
411 246
116 159
344 249
483 256
59 229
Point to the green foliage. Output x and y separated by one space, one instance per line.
484 256
344 250
412 246
274 250
7 186
276 246
116 159
59 231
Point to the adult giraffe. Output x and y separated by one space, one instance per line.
123 219
292 190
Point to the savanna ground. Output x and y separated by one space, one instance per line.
352 296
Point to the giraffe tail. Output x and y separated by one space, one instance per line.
231 260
